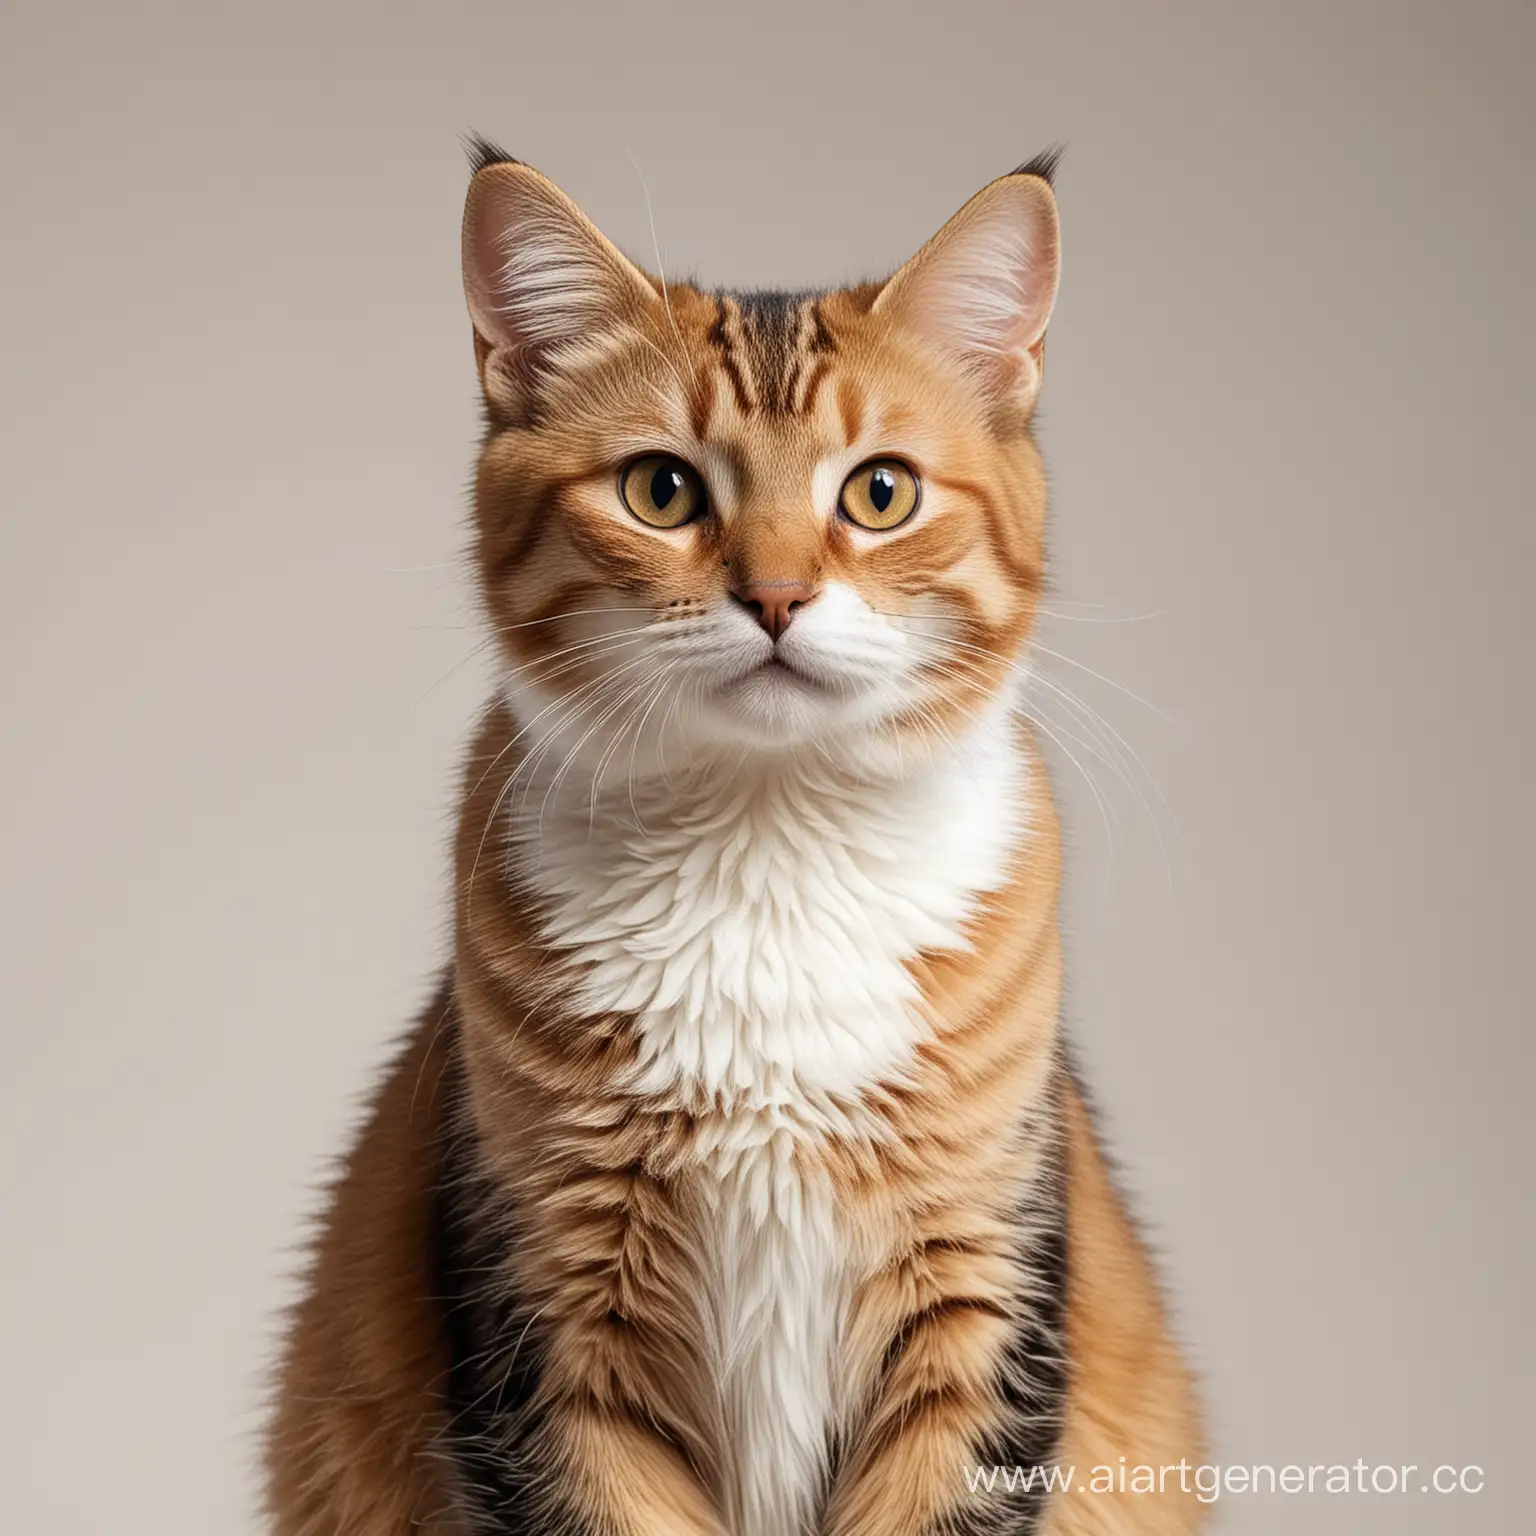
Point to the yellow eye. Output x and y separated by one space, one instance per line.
880 495
662 491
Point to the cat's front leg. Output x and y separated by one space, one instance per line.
571 1430
603 1470
575 1394
969 1374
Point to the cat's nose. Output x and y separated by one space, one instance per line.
773 604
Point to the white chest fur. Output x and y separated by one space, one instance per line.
777 1289
759 929
758 923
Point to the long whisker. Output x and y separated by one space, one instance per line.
1045 650
571 756
580 702
555 704
1088 779
678 697
618 737
569 613
1086 618
580 653
1126 755
1034 645
661 688
475 650
1103 742
489 640
666 297
661 396
566 701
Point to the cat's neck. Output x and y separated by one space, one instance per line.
759 915
625 798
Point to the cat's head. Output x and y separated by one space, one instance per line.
791 521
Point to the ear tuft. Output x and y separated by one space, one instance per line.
1044 164
483 152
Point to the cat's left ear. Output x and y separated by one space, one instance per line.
982 289
539 277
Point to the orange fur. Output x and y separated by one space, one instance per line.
594 1199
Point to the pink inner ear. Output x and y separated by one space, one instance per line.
485 221
984 286
537 274
492 217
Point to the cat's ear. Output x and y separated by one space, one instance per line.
539 276
982 289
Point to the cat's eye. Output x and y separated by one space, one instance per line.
662 491
880 495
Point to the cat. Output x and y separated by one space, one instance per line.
737 1181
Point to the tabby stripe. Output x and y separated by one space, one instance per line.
1027 576
724 342
850 410
537 522
805 332
818 375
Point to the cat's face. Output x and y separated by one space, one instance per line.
790 522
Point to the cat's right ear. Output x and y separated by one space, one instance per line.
982 289
540 278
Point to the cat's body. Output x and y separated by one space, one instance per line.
736 1182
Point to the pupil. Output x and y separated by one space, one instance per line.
882 488
665 484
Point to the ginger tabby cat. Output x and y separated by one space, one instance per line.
737 1183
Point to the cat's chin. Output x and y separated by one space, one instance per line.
779 678
777 703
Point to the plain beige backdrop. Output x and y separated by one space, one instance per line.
1289 416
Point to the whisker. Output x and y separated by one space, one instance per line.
1103 742
1045 650
458 666
566 701
661 396
571 756
570 613
554 704
1088 779
1123 750
1084 618
661 688
580 703
613 746
666 297
581 652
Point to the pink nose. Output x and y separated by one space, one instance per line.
773 604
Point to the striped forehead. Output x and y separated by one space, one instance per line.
775 349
